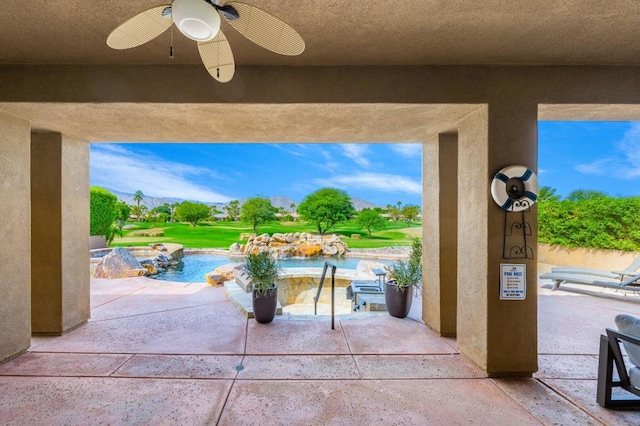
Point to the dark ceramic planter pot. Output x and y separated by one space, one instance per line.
398 301
264 307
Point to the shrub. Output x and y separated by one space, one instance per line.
102 208
595 222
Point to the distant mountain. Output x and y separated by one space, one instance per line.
360 204
284 202
152 202
277 201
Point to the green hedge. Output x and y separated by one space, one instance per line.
599 222
102 207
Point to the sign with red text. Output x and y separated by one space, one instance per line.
513 281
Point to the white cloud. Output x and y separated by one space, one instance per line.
297 150
120 169
375 181
629 147
598 167
356 152
623 162
407 149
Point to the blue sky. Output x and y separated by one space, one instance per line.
602 156
382 174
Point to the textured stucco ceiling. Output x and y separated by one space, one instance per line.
360 35
413 32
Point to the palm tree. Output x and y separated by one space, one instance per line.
138 197
293 210
546 193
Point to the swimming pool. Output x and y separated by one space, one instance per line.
193 267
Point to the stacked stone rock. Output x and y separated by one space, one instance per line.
298 244
120 263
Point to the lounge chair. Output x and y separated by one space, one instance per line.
630 270
632 283
628 370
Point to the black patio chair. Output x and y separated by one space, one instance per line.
628 376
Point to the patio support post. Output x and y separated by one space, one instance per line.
60 233
500 336
440 222
15 239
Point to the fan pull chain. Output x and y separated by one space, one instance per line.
171 47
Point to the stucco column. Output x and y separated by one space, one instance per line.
440 222
15 236
500 336
60 233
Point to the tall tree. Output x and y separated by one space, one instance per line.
370 219
165 208
233 210
158 214
173 210
192 212
138 197
326 207
257 211
213 211
410 213
393 213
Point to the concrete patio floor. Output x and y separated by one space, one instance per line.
174 353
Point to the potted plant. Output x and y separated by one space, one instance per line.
263 270
404 276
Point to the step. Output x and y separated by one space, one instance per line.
372 302
242 300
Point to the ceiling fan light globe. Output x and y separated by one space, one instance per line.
196 19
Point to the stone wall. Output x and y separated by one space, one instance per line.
302 289
298 244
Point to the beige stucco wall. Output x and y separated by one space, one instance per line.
60 226
74 229
15 236
440 230
607 260
473 236
500 336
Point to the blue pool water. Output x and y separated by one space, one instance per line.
193 266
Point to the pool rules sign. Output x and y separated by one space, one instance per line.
513 281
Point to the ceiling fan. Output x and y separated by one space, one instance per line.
199 20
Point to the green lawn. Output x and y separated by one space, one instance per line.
223 234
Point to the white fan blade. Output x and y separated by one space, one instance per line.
140 29
217 58
266 30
